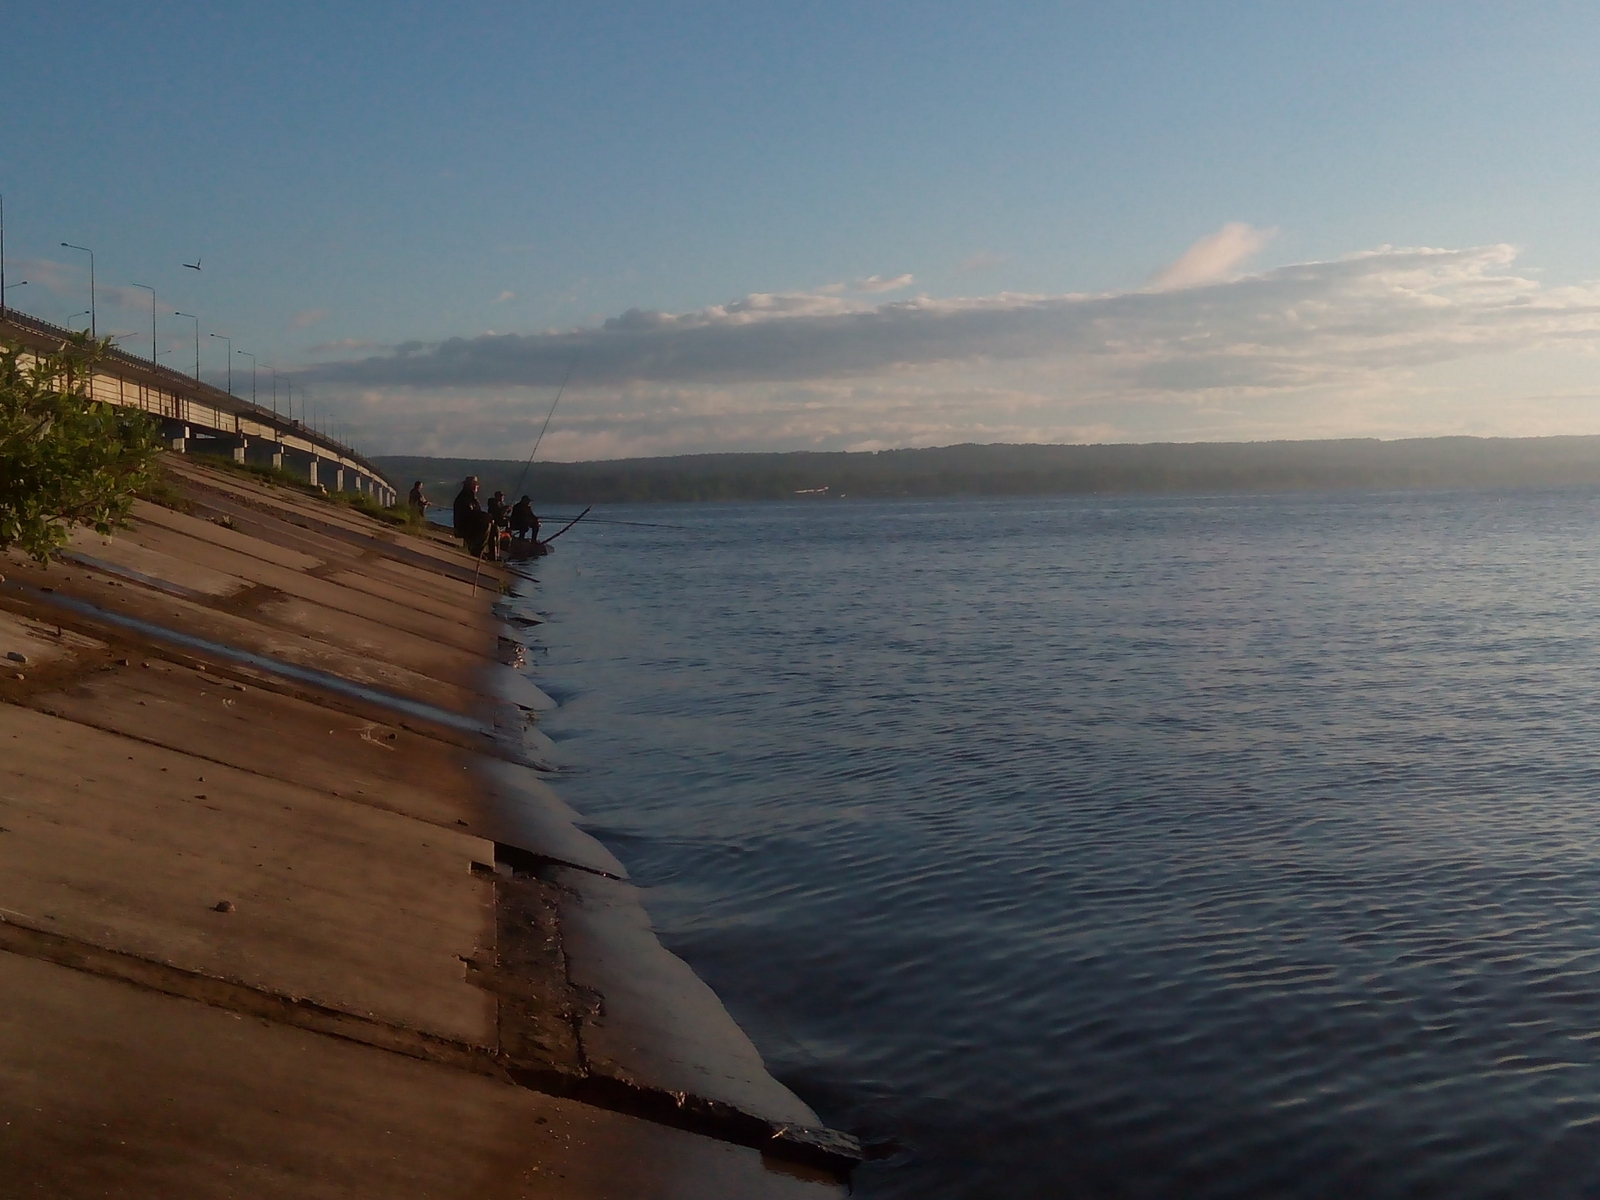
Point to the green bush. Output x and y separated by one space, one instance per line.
65 459
394 514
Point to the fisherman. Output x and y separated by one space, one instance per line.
419 502
498 508
524 520
499 519
471 522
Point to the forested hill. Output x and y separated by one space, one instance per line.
1002 470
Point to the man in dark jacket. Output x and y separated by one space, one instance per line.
419 501
472 523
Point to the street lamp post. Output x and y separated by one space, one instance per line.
274 371
152 292
224 337
94 328
289 383
252 359
196 321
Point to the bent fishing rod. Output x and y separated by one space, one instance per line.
567 526
479 564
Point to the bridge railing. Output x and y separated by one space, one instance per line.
186 404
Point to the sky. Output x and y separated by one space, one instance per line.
825 226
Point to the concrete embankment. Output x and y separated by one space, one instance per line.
286 910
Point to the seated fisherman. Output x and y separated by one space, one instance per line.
524 520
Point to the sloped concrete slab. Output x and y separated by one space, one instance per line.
187 618
531 817
141 562
364 636
367 762
131 847
464 631
218 535
25 643
107 1090
516 688
659 1026
275 735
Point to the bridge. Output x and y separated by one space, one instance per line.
198 418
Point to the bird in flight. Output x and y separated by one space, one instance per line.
195 265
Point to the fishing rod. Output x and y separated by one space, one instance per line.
567 526
546 425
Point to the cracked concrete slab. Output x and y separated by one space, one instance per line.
659 1027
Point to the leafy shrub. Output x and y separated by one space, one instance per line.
65 459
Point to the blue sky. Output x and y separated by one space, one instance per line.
362 177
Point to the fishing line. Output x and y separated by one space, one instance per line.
546 425
614 521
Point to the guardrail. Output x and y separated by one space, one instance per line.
194 414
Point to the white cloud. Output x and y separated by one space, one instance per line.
1214 257
983 260
1297 324
307 318
1375 343
874 284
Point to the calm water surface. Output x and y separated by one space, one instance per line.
1233 847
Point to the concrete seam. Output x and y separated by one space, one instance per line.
26 940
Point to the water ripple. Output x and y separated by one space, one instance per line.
1123 848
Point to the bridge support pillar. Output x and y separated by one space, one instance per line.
313 471
338 479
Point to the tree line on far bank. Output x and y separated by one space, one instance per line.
1022 470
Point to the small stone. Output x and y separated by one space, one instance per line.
124 662
199 795
238 687
222 906
19 676
17 656
145 664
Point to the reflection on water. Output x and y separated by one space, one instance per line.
1107 847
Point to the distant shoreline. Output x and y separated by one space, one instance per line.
1028 470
